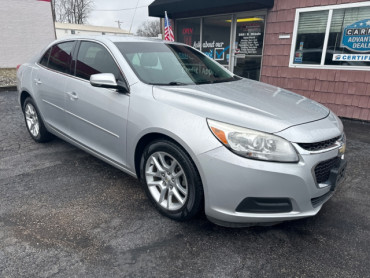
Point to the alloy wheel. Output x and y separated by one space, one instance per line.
166 181
32 120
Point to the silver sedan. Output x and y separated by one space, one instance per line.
198 137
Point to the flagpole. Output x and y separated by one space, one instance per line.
165 24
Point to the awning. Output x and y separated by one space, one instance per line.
190 8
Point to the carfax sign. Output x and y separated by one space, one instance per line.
356 37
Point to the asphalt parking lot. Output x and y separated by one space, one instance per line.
64 213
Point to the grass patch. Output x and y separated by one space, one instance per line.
8 77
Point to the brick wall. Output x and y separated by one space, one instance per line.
345 92
26 28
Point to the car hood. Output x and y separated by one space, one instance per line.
244 103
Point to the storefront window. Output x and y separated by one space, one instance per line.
332 37
349 36
249 35
188 32
216 38
310 37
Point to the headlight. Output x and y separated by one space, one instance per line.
253 144
343 139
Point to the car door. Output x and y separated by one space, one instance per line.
50 78
97 117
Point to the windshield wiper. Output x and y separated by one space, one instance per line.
173 83
233 78
204 82
177 83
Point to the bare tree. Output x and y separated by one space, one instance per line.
149 29
72 11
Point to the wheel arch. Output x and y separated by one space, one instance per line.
152 136
23 96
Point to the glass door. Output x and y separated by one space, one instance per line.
249 34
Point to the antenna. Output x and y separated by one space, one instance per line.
132 21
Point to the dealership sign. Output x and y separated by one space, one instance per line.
356 37
351 57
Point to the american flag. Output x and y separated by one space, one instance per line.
168 34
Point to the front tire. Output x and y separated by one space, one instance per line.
171 180
34 123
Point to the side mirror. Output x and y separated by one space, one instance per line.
107 80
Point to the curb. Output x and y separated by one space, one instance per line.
8 88
359 121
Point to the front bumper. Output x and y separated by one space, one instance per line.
229 179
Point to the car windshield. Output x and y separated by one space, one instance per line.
160 63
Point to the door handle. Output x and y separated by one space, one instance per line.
72 95
37 81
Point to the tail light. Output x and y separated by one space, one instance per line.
18 66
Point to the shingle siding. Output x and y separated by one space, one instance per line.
26 28
346 92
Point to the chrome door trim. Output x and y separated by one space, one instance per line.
82 119
52 104
97 126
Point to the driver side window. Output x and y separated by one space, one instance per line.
93 58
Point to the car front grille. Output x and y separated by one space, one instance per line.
319 145
322 170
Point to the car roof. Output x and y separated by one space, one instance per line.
114 39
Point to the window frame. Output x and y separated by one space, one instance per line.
322 65
42 57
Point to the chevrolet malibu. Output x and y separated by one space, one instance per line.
198 137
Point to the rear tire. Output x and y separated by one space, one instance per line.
34 123
171 180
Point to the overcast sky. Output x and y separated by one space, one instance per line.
108 18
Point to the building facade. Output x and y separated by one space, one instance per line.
67 29
317 48
26 28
